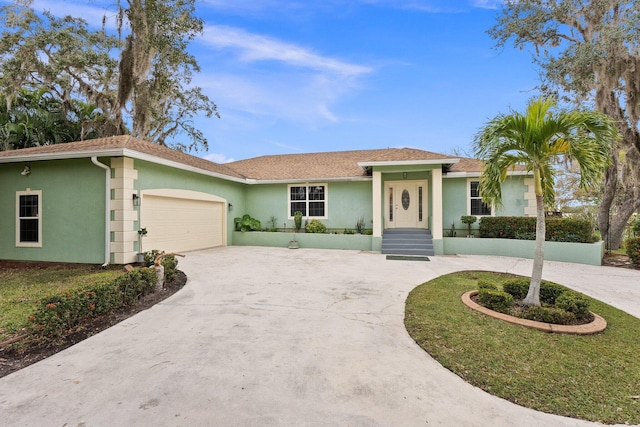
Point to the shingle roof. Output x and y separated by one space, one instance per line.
337 164
324 165
124 142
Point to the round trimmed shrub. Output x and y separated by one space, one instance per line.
549 292
573 303
517 288
484 284
315 226
495 300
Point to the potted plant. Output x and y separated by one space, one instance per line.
468 219
297 220
141 233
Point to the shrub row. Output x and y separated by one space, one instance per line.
548 315
633 249
58 313
524 228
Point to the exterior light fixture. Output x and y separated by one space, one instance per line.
136 199
230 207
26 171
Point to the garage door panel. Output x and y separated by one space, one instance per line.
176 224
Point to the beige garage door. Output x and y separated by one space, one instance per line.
177 224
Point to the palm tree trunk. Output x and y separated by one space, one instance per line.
533 296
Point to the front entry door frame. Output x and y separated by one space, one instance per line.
406 204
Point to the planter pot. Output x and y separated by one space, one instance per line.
293 244
140 258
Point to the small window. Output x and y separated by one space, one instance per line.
311 200
28 218
476 206
420 203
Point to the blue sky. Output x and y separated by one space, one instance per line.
295 76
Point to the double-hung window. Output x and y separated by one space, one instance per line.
476 206
311 200
29 218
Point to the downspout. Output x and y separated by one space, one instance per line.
107 220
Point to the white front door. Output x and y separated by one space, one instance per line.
406 204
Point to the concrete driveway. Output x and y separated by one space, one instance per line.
278 337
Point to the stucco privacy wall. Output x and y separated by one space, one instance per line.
73 210
152 176
346 203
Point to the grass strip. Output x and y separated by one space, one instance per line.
20 288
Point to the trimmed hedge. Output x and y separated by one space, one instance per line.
60 312
633 249
524 228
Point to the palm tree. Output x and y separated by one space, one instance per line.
539 140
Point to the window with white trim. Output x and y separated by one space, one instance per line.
476 206
311 200
29 218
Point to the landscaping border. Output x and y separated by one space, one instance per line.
597 325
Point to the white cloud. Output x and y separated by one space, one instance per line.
255 47
487 4
218 158
299 85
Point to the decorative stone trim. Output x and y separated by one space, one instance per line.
124 216
598 324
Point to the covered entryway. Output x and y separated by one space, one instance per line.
406 204
180 220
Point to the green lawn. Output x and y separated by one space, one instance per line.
595 377
21 287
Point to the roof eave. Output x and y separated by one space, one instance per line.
177 165
475 174
116 152
305 180
409 162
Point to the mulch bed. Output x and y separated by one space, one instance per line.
16 356
618 260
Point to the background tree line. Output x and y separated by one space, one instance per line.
64 81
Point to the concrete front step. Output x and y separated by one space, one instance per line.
407 242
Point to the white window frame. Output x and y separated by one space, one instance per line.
313 184
19 243
469 181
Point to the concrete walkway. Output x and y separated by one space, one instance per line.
278 337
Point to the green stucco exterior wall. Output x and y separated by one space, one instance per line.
73 210
346 203
454 201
